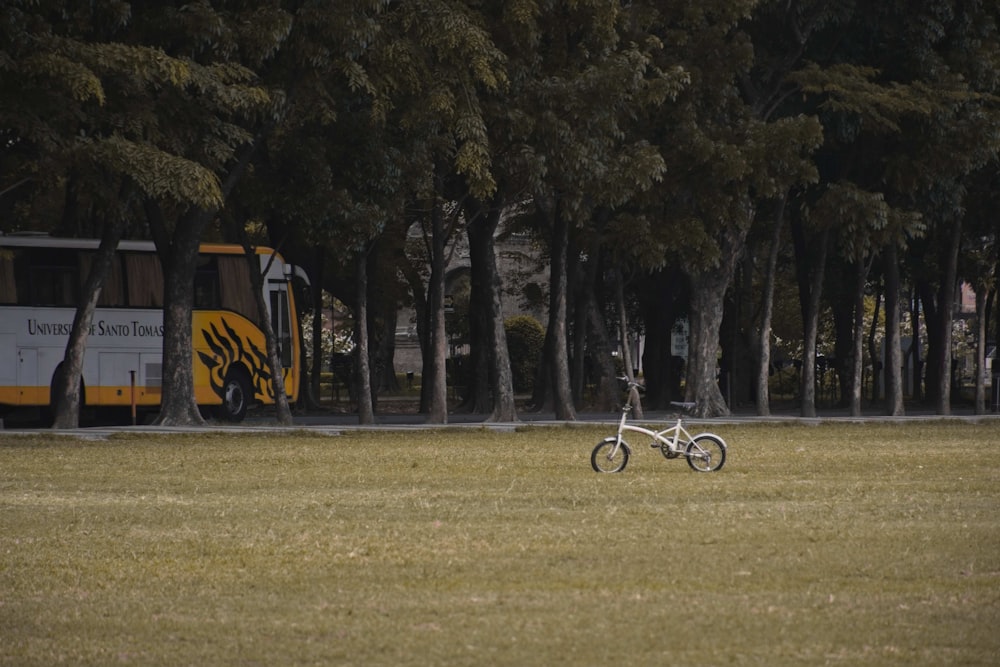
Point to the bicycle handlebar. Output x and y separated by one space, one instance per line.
632 384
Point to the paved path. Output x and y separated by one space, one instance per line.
333 423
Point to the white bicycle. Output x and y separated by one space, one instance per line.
705 452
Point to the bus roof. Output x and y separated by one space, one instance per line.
40 240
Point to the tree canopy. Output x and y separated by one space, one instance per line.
644 140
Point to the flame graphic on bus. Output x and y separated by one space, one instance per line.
230 348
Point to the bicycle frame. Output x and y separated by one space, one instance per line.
675 437
704 452
669 436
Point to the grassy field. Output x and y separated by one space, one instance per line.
844 544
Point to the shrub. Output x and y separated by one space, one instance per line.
525 339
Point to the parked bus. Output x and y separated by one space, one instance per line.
40 284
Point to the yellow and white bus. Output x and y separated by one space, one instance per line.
40 282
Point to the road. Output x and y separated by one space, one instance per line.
336 422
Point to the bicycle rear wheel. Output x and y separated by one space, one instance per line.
601 458
706 453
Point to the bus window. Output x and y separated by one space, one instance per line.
8 286
144 280
51 275
234 277
281 326
112 293
206 283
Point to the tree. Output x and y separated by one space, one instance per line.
905 123
980 265
860 217
490 352
282 409
434 71
650 133
781 33
579 88
767 311
124 105
723 158
218 120
66 390
326 179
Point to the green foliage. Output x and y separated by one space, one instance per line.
525 339
721 159
108 95
853 90
863 220
659 128
436 63
159 174
78 80
916 102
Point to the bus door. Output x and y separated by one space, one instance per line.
118 377
27 368
9 363
23 374
280 320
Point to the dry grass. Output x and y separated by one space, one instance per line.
847 544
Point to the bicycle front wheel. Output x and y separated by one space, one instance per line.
706 453
604 458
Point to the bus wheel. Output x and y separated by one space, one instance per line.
235 397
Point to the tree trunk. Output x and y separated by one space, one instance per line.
179 259
435 375
178 254
811 328
603 363
737 350
916 353
708 293
562 399
858 337
283 412
981 299
767 314
708 290
893 343
479 396
316 368
383 320
487 302
928 305
946 302
576 286
66 398
623 334
994 304
841 297
591 349
504 406
873 352
420 307
366 410
541 393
